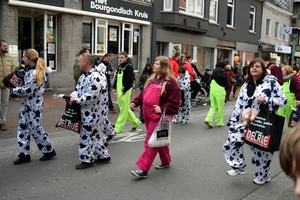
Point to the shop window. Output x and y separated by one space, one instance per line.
135 48
101 36
276 25
205 58
252 18
230 12
127 38
86 35
213 11
267 31
195 7
168 5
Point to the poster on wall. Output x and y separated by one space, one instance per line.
51 41
176 48
113 34
51 48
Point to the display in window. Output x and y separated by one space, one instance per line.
51 48
176 48
101 48
113 34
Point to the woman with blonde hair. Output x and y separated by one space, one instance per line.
291 88
30 119
161 93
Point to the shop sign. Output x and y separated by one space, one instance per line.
282 49
49 2
119 8
286 30
297 54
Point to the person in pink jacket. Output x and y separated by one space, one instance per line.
161 92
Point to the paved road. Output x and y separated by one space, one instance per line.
198 170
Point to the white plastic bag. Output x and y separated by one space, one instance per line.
161 135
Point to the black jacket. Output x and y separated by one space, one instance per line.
220 76
128 75
108 69
196 70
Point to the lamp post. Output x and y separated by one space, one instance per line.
294 40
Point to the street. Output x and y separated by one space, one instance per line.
198 169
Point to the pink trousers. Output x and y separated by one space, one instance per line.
146 159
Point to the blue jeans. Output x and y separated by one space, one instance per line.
110 104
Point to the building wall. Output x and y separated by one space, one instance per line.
69 39
275 14
145 46
8 23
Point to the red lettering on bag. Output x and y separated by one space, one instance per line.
64 123
260 140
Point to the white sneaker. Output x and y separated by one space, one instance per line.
262 181
235 172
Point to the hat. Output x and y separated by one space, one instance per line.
207 69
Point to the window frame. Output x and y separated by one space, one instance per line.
268 28
216 11
253 13
171 5
104 35
232 13
130 40
276 28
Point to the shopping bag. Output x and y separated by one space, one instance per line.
71 118
265 131
15 78
294 117
161 135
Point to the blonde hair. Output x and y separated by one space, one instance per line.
166 72
228 67
288 69
40 67
289 153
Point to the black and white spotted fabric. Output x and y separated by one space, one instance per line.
185 109
233 147
89 93
30 117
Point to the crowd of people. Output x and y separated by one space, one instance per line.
168 86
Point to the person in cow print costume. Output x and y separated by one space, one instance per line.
185 88
30 118
90 94
261 91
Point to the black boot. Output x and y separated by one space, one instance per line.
22 159
48 156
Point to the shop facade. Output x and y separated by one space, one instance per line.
58 29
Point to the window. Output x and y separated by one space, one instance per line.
192 6
268 22
230 12
276 29
101 35
252 18
213 11
86 35
127 37
168 5
283 35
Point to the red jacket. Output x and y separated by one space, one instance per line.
188 67
276 71
229 74
174 66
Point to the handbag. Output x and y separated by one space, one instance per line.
294 117
71 119
232 80
265 131
161 135
15 78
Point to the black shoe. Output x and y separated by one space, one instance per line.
133 129
139 173
22 159
84 165
103 160
48 156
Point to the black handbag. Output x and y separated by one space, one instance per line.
71 119
265 131
15 78
294 117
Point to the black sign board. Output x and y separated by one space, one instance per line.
119 8
49 2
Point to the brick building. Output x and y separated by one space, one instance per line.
58 29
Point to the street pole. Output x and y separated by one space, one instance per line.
294 40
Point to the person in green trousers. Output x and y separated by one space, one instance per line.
218 86
291 88
122 86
